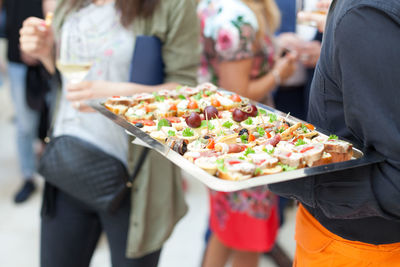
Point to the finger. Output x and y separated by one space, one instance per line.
72 87
30 39
292 56
79 95
310 16
33 21
30 48
323 4
87 109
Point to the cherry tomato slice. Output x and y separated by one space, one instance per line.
145 122
173 107
174 119
251 138
215 103
192 105
310 126
211 144
236 98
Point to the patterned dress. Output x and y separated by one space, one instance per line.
247 219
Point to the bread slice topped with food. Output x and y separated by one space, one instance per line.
226 135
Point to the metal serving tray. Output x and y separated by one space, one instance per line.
360 158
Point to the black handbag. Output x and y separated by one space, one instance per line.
87 173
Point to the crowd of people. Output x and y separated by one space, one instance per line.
341 75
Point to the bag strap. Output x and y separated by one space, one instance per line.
56 88
138 166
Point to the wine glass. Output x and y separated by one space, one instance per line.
73 58
73 54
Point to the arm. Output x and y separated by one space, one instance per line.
369 64
181 55
255 89
234 65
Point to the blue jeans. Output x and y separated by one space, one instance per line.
27 120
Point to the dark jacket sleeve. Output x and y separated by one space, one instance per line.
367 61
368 55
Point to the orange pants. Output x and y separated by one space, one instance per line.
318 247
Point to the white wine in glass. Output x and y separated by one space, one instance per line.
74 58
74 72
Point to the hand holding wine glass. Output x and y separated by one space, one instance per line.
313 15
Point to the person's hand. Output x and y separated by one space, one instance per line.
78 93
289 40
324 5
317 18
309 53
36 39
286 65
28 60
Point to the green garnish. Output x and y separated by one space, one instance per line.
182 97
171 133
197 96
244 137
261 131
178 87
227 124
158 98
249 121
304 128
248 151
280 130
220 164
286 168
262 112
269 151
187 132
221 133
300 142
241 158
204 125
162 123
333 137
272 117
257 171
208 93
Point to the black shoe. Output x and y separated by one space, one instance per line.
25 192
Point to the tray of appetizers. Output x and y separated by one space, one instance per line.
228 142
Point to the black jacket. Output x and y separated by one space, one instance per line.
17 11
356 94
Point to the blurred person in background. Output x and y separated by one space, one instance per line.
239 55
27 119
293 95
136 232
351 217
